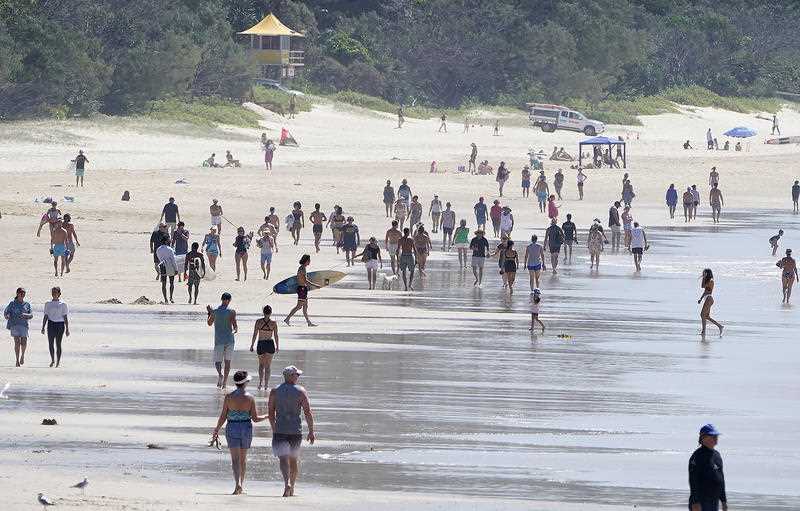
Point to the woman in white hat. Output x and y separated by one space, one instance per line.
239 410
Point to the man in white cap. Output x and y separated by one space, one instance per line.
285 403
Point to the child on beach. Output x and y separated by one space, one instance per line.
773 241
536 298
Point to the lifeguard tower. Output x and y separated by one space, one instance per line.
276 49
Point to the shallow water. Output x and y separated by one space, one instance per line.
470 402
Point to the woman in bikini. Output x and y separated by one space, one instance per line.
789 267
510 263
242 244
707 283
266 332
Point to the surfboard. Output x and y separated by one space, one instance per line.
783 140
321 278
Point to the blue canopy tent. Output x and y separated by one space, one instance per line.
601 141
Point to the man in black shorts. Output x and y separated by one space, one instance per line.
159 237
407 255
284 405
553 239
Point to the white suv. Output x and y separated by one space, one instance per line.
557 117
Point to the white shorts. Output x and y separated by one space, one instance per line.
216 220
372 264
223 352
461 246
392 249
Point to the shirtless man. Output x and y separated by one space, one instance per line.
273 219
72 239
269 229
406 252
716 200
789 267
400 211
58 240
688 199
393 235
216 215
388 198
422 242
50 217
317 218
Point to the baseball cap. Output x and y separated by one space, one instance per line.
709 429
291 371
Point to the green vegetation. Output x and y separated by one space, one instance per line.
202 112
278 101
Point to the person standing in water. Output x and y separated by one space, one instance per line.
638 245
351 239
56 322
80 162
406 255
401 119
536 299
388 198
553 239
534 261
480 214
461 242
716 200
285 403
400 212
393 235
707 299
480 250
371 255
303 287
239 411
789 267
706 477
526 181
194 269
773 241
216 218
17 314
317 219
796 196
435 212
170 215
595 242
510 265
265 331
448 224
672 199
570 231
223 319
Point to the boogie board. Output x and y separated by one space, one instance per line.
208 275
784 140
321 278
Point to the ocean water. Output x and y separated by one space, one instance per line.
452 393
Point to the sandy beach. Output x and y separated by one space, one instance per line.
424 400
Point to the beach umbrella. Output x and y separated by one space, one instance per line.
740 132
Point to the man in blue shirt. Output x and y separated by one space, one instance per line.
223 319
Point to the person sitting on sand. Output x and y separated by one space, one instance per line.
687 145
563 155
554 156
738 146
727 146
210 161
230 161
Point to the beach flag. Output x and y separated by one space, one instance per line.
287 139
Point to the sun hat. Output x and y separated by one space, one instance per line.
291 371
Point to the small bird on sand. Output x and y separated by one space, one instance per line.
44 500
82 485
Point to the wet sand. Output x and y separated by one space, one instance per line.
445 392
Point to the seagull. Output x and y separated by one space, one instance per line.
3 392
82 485
44 501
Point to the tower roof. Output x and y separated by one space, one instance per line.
271 26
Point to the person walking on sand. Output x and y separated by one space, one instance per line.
672 199
216 216
713 177
709 139
158 238
223 319
638 245
170 215
506 222
80 162
414 213
570 231
72 239
443 125
292 105
401 118
17 315
337 220
285 403
265 331
269 154
56 322
435 213
534 261
687 199
480 250
706 477
627 222
775 126
614 225
266 244
695 200
581 179
773 241
536 301
298 221
707 299
239 411
495 212
480 214
717 201
448 224
502 176
526 181
553 239
49 217
466 124
351 239
404 192
796 196
789 267
552 208
388 198
303 287
461 242
400 212
371 256
167 269
390 241
58 240
242 246
180 242
407 255
473 155
317 218
558 182
212 247
595 242
500 252
194 269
